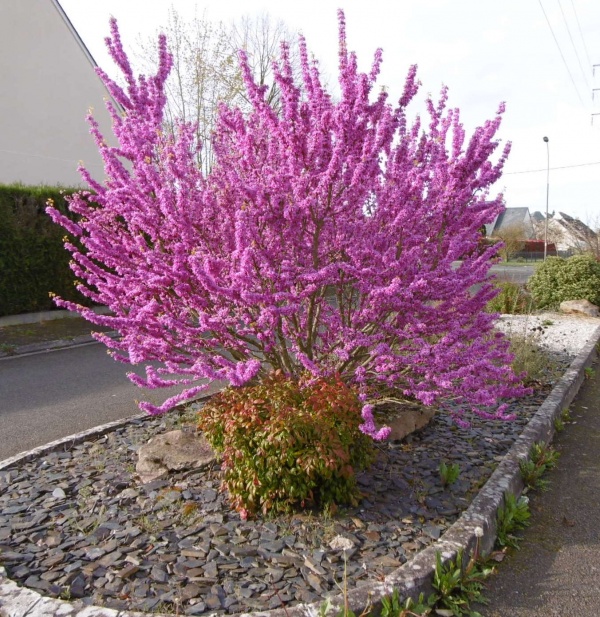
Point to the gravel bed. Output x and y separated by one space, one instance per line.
77 524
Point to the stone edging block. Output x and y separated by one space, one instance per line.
474 529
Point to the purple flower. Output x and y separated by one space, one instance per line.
322 240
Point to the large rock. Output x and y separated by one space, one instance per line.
582 307
173 451
403 418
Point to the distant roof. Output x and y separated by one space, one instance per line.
576 227
512 216
538 216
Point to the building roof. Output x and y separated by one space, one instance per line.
576 227
511 216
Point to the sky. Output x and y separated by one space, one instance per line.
536 55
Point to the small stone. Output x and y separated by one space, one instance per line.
128 571
159 575
306 596
94 552
274 575
141 589
58 493
36 583
173 451
110 559
53 560
584 307
433 531
77 587
314 581
193 553
209 495
387 562
148 604
211 570
311 564
275 546
128 493
191 590
213 601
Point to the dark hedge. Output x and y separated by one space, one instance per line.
33 261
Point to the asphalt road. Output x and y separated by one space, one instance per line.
49 395
515 274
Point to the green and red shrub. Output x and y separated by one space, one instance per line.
288 443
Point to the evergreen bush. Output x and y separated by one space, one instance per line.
558 279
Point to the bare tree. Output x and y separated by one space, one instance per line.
261 39
513 237
206 68
205 72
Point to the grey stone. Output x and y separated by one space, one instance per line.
582 307
191 590
211 569
213 601
94 553
159 575
173 451
404 419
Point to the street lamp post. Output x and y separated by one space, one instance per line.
547 197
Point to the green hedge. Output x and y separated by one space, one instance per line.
33 261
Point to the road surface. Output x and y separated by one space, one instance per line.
49 395
515 274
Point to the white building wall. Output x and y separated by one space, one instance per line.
47 85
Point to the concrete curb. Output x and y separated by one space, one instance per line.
25 318
48 346
25 350
475 528
30 318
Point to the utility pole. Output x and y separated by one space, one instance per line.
547 196
594 90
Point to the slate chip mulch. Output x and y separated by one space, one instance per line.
77 524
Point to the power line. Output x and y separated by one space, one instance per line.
561 53
573 44
581 34
532 171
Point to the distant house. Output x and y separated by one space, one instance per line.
48 85
570 234
511 217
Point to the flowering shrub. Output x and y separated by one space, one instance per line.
287 443
323 240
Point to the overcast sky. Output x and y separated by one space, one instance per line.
536 55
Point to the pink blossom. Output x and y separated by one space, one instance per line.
324 239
